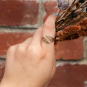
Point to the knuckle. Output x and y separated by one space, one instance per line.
35 50
21 49
11 49
32 48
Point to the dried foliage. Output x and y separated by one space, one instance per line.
72 22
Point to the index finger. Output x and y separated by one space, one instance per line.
49 30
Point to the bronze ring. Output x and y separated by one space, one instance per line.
48 40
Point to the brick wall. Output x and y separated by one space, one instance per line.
19 19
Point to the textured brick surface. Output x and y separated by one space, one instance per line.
66 50
2 67
70 76
18 13
73 49
9 39
25 13
51 8
85 43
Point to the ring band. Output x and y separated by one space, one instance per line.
48 40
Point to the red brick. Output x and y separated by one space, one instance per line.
51 8
66 50
2 67
70 76
9 39
18 13
71 50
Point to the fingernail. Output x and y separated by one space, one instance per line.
55 14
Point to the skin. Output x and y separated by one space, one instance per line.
31 63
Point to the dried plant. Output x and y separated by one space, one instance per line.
71 23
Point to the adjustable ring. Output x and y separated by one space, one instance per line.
48 40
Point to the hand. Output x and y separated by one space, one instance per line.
31 63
